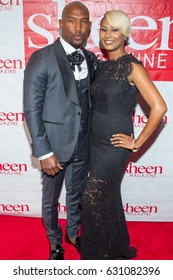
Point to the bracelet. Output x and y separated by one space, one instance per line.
133 146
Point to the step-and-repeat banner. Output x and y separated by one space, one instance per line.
25 26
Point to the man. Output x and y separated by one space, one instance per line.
56 107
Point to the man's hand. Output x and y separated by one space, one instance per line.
51 165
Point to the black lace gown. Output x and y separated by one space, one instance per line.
104 231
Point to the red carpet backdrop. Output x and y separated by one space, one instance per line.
26 26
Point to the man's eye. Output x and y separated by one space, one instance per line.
85 21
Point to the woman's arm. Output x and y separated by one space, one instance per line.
151 95
140 78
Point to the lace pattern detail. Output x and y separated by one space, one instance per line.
104 231
119 69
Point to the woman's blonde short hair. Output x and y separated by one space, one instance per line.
119 19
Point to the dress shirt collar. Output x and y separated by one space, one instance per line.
68 50
67 47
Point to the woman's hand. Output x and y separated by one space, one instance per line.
122 140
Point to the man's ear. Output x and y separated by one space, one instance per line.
61 24
90 25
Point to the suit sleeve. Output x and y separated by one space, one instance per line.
35 83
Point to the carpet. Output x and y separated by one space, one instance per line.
24 238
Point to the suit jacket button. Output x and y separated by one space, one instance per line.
78 113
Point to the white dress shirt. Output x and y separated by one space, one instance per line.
69 49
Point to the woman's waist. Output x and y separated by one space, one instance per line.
109 114
108 124
113 111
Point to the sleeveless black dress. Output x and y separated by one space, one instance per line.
104 234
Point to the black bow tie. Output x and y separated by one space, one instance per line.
75 58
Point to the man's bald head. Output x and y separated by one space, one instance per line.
74 5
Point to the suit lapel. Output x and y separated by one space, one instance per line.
89 74
66 72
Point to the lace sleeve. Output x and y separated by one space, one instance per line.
128 64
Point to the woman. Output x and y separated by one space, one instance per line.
114 91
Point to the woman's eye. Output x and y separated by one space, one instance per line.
114 30
103 29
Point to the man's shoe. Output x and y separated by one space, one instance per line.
57 253
76 244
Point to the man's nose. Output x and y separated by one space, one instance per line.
78 25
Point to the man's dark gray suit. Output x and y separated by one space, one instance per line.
57 123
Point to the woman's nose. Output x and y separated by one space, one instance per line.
107 33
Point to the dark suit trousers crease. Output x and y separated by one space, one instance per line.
75 174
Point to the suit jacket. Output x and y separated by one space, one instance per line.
51 104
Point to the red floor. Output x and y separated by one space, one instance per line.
23 238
